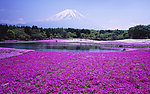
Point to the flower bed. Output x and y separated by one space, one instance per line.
65 72
10 52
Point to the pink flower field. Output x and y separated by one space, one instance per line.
124 72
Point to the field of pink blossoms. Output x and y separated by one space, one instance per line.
126 72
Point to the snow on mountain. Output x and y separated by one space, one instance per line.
67 14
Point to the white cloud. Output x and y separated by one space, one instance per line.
19 21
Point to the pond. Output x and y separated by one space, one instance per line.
58 47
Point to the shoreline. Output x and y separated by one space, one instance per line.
125 41
6 53
145 45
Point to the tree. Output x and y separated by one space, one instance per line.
3 31
10 34
138 32
21 35
27 30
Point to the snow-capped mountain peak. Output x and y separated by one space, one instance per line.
67 14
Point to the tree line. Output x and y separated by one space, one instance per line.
139 32
12 32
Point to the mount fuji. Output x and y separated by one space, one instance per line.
67 14
68 18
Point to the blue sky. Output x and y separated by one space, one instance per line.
109 14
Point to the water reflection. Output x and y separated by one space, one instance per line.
58 46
